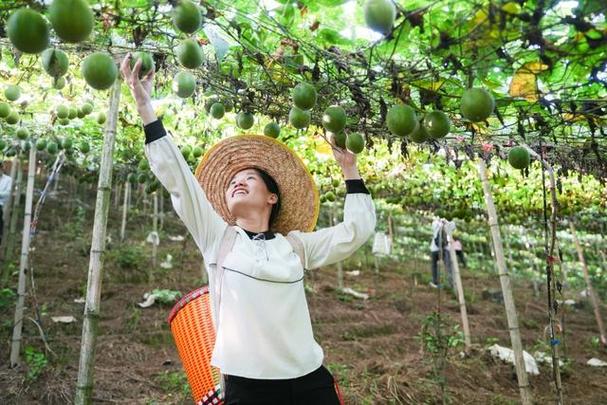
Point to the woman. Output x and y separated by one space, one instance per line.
264 345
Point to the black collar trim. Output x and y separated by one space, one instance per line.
266 235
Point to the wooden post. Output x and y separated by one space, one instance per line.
84 386
460 294
511 314
127 191
23 263
596 303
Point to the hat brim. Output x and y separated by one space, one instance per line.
298 192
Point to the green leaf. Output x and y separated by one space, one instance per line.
332 37
325 3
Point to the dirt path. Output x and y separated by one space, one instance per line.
371 346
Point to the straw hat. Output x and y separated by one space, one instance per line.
298 192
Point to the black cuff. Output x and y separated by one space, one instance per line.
154 131
356 186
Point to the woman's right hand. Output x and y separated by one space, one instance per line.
141 89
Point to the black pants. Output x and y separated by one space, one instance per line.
461 257
316 388
447 260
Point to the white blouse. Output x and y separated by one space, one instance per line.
265 330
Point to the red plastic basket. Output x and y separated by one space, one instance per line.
192 327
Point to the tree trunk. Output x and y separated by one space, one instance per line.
127 191
596 303
460 295
511 314
23 263
84 386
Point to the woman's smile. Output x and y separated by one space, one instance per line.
238 191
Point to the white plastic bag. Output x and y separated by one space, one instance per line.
381 244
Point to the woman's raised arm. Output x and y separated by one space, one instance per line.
171 169
330 245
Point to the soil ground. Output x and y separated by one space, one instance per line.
372 346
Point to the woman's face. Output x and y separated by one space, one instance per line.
247 192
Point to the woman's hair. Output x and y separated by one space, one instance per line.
272 188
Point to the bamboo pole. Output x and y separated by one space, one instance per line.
23 263
127 191
6 212
161 208
8 247
340 269
130 196
596 303
6 215
504 276
460 294
145 200
56 184
84 386
155 230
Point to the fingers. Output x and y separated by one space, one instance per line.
333 146
125 67
336 149
137 68
149 76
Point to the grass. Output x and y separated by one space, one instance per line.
369 331
173 382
